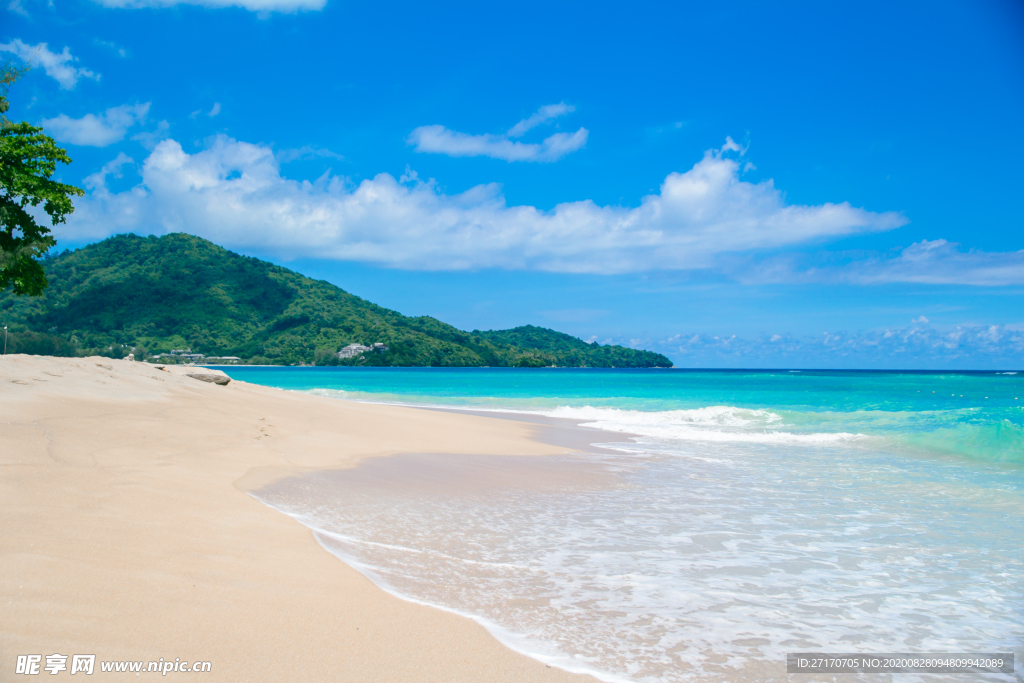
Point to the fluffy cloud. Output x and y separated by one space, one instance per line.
233 193
440 140
283 6
927 262
917 346
58 66
97 130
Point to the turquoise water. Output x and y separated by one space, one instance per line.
972 415
751 514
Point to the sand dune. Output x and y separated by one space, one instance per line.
127 531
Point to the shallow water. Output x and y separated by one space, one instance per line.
722 537
976 415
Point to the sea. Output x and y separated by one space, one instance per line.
723 520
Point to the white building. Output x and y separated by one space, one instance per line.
352 350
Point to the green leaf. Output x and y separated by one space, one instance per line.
28 160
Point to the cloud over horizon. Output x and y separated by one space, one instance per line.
437 139
233 193
916 346
58 66
97 130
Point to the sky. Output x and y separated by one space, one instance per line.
731 184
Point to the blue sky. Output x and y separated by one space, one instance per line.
732 184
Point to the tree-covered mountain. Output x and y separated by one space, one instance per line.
182 292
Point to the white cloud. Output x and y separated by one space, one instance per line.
233 193
149 139
940 262
97 130
98 180
935 262
59 67
262 6
917 346
548 112
439 140
214 110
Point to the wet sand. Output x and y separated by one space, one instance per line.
129 533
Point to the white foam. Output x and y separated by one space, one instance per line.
726 550
515 641
723 424
330 393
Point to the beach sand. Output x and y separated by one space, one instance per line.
128 532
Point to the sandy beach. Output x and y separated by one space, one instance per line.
129 532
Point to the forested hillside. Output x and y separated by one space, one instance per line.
182 292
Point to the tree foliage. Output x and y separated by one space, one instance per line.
180 291
28 160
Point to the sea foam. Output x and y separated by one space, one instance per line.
714 423
710 561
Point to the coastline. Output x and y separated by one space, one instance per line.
131 533
393 482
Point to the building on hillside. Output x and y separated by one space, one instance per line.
353 350
179 354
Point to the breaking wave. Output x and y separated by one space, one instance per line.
725 424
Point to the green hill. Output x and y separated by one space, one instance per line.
182 292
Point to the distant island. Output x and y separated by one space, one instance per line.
180 298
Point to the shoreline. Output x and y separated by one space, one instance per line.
504 637
423 474
131 534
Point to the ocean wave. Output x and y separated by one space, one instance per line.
1001 442
710 416
330 393
724 424
959 432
